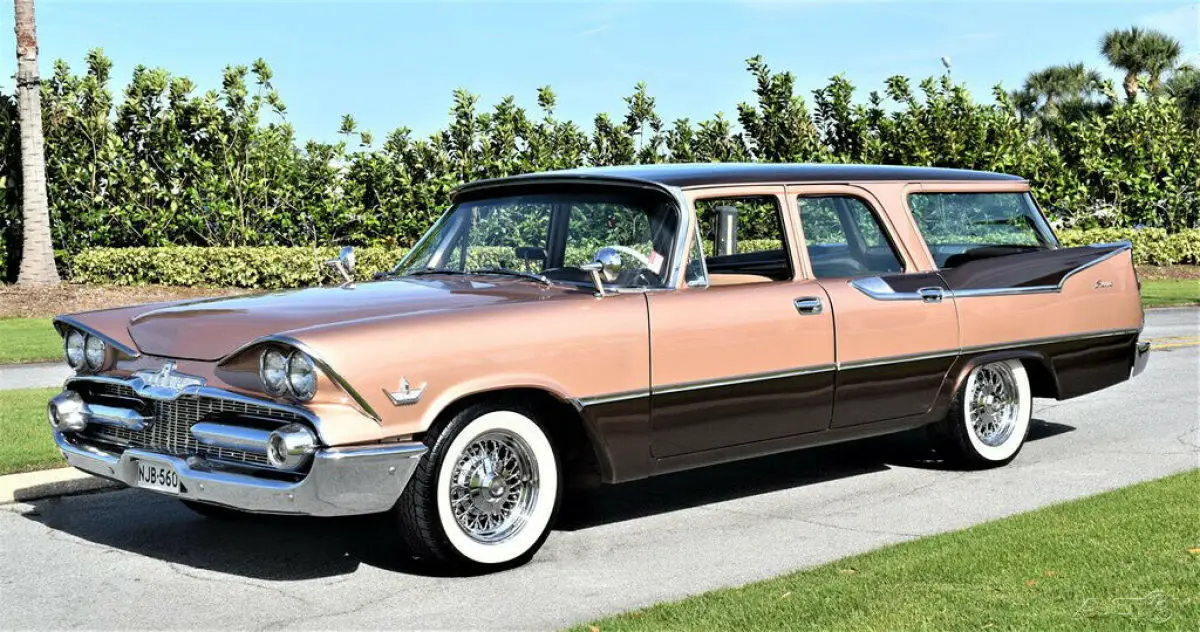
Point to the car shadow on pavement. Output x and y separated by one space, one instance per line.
284 548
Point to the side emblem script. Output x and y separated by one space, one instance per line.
1102 284
406 394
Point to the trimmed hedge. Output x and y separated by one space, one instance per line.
283 267
267 267
1152 246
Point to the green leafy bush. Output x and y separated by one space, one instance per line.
265 267
1153 246
162 162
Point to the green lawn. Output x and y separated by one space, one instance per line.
1168 292
25 340
1125 560
25 440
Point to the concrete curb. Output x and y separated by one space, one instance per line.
63 481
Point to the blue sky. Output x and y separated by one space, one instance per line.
395 63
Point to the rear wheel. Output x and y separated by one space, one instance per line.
485 493
989 419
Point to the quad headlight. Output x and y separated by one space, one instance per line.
292 374
74 349
94 351
302 375
273 371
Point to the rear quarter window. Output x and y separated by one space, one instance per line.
961 227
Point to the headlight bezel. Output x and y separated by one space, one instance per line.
289 386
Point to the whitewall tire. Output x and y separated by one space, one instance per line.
487 491
990 416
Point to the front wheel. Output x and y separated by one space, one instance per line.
485 493
989 419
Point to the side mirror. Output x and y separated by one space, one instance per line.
344 263
605 268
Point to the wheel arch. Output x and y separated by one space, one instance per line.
561 417
1043 381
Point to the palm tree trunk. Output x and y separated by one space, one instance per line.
1131 86
37 253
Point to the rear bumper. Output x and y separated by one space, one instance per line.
341 481
1141 354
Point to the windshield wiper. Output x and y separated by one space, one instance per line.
515 273
481 272
435 271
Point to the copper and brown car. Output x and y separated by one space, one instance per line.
628 321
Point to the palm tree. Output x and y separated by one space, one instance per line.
1047 91
1184 87
1140 52
37 252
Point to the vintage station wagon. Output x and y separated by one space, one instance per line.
626 322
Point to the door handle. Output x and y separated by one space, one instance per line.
808 305
930 294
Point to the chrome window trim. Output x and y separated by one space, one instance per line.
878 289
127 352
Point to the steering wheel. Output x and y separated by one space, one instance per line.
643 259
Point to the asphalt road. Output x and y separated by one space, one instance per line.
132 559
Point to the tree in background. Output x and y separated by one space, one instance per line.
1140 54
1058 90
37 256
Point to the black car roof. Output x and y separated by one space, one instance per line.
701 174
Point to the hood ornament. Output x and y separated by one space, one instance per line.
164 384
406 395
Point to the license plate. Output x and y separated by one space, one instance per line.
161 478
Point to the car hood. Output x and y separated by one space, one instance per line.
212 329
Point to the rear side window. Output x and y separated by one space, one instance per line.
845 238
962 227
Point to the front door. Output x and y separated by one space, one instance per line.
750 357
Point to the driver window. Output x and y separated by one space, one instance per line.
642 237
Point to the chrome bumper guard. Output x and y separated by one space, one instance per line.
1141 354
342 481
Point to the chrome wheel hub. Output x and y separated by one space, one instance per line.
993 403
494 486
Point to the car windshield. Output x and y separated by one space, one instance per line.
548 237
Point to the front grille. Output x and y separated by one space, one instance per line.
171 431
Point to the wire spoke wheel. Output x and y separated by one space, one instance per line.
494 486
993 402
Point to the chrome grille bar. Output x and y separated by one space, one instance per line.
170 432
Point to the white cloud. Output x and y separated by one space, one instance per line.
1182 23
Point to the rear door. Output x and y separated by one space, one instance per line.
750 357
896 326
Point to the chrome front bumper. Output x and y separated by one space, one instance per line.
1141 354
342 481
